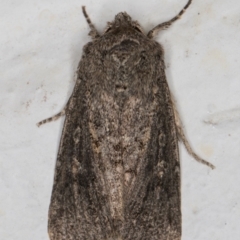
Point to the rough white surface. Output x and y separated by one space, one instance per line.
41 44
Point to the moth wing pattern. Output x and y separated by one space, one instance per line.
117 174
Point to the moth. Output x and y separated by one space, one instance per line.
117 173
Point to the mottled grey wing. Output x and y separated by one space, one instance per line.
117 174
77 206
155 211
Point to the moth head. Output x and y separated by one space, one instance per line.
123 21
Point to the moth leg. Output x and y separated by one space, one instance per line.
53 118
93 33
167 24
184 140
63 112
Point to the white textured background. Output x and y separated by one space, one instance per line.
40 46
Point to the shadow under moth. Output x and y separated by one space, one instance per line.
117 173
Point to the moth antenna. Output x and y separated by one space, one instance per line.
93 33
167 24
